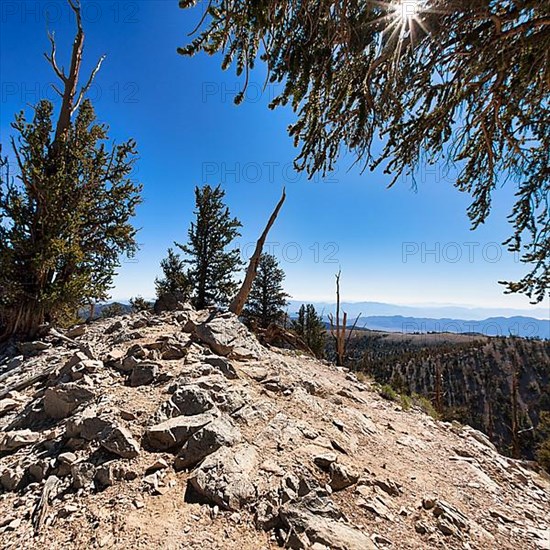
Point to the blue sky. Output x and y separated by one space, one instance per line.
393 245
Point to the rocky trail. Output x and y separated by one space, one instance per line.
179 430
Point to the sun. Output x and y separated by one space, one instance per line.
407 10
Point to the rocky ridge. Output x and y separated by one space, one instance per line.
179 430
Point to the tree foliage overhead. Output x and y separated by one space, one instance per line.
466 82
267 298
212 265
64 219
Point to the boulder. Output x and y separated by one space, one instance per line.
342 476
221 432
227 336
225 477
187 400
171 301
83 474
176 431
61 401
222 365
119 440
10 441
308 529
143 373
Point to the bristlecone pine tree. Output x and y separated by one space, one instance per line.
267 298
310 327
65 216
64 219
138 303
212 266
462 82
175 279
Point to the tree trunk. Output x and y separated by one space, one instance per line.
237 304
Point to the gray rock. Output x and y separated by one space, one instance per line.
10 441
171 301
91 428
83 474
11 478
119 440
342 476
223 365
144 373
39 469
324 460
448 514
176 431
221 432
311 529
187 400
225 477
61 401
227 336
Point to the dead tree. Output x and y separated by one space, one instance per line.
338 330
237 304
70 102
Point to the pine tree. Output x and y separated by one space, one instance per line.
175 280
113 310
267 298
310 327
138 303
65 216
65 220
212 266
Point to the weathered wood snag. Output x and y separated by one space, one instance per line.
237 304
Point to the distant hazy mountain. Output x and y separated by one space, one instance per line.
367 309
409 319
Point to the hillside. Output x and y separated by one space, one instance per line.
469 378
182 431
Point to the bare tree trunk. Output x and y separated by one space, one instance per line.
237 304
338 331
70 81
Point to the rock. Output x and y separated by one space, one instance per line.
11 478
377 506
91 428
324 460
143 373
61 401
119 440
171 301
33 348
321 531
7 405
159 464
342 476
225 477
39 469
10 441
221 432
176 431
223 365
187 400
227 336
76 331
83 474
67 458
447 513
391 488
